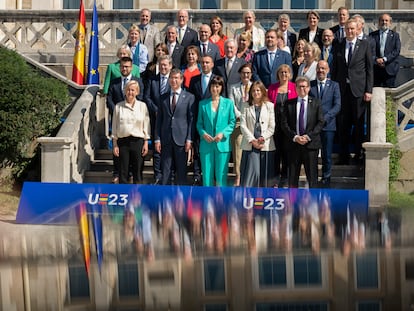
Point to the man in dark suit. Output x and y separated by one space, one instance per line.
186 36
116 94
175 50
266 61
174 124
228 66
352 68
327 52
200 88
289 37
302 122
339 29
330 96
154 88
386 52
205 46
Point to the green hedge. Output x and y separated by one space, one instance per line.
30 106
391 136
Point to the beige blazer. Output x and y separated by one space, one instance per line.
267 123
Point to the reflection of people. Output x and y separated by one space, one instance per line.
216 120
130 132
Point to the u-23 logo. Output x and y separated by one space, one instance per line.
264 203
108 199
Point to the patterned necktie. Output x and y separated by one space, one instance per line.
204 48
302 117
180 36
229 65
383 39
163 88
326 54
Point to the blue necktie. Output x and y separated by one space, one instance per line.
302 117
350 52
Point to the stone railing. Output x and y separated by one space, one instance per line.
48 35
66 156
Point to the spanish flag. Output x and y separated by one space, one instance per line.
78 69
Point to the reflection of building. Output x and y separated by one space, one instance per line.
43 264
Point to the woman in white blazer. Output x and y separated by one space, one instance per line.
257 34
257 125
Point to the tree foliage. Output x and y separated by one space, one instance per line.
30 106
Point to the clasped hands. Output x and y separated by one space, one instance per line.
302 139
208 138
258 143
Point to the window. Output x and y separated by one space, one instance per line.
369 306
215 307
269 4
307 270
364 4
304 306
272 271
71 4
123 4
367 270
304 4
128 285
214 276
78 281
210 4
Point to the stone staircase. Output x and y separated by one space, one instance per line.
343 176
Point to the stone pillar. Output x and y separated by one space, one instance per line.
377 172
55 162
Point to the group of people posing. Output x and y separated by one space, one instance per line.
267 99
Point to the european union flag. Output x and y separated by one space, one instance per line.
93 63
96 211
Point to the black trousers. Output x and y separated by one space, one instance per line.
130 154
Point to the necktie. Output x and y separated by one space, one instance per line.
229 65
271 58
302 117
204 83
180 36
163 88
124 83
383 39
321 88
173 101
326 54
171 49
143 34
341 32
350 52
246 93
204 49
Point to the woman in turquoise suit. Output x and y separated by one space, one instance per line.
215 123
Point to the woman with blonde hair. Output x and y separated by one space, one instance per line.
257 125
243 43
217 35
258 34
308 67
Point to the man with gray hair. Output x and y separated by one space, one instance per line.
289 37
149 34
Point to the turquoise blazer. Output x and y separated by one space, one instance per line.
226 120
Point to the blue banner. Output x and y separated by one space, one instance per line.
213 219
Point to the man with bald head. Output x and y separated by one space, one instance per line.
330 96
327 52
206 47
186 36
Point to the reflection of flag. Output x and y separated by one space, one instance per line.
78 69
97 231
84 234
93 61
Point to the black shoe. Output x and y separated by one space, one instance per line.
196 182
326 182
157 182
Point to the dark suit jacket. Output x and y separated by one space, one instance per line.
212 50
152 95
196 89
291 41
178 56
116 95
391 51
337 34
233 77
359 71
261 66
314 123
330 101
190 37
304 34
175 127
